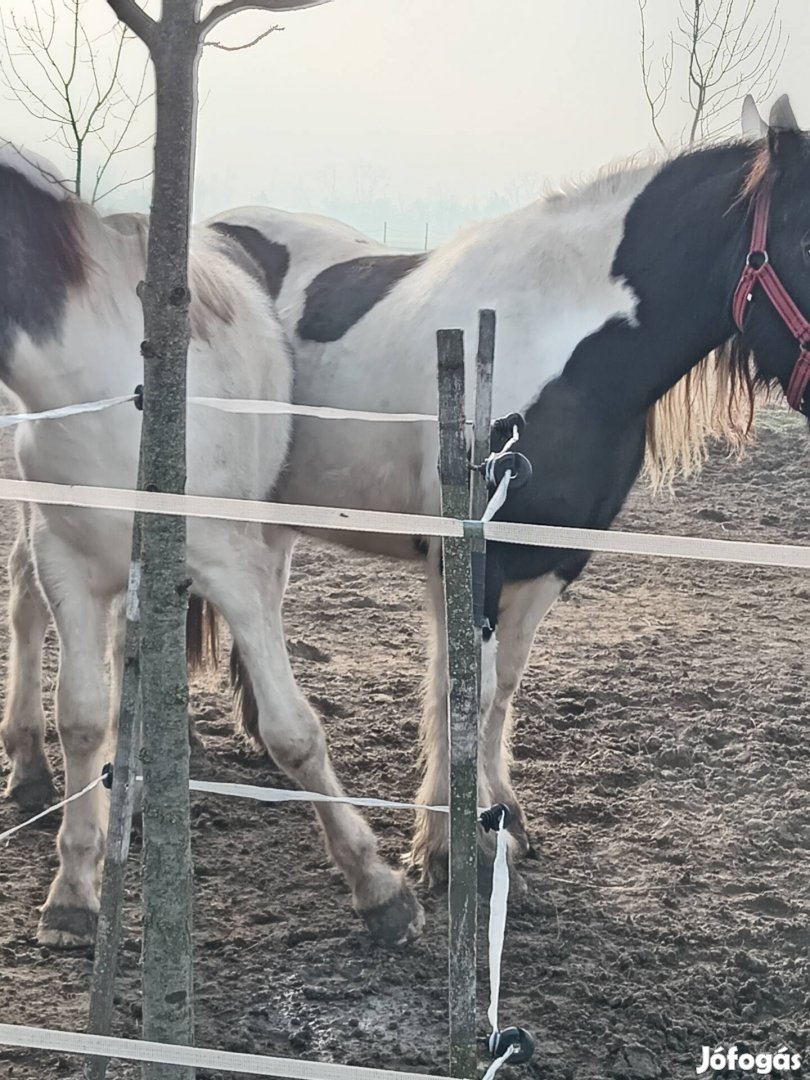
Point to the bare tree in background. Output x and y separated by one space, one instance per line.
77 86
725 49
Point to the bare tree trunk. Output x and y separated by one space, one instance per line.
174 44
167 871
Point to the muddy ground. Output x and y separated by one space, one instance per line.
662 754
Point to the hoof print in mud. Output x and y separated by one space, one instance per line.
398 921
67 927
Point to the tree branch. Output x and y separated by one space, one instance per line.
231 7
133 15
655 101
247 45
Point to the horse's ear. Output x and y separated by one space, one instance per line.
782 115
753 126
784 136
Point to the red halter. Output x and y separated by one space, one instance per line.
758 270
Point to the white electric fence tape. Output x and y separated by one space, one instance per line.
373 521
277 795
497 932
497 921
69 1042
498 497
496 1064
316 517
12 419
51 809
250 791
323 412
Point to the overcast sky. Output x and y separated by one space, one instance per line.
425 101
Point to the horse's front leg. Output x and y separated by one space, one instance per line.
30 783
82 713
523 606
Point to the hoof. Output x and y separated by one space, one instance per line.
32 794
522 846
430 869
396 922
67 927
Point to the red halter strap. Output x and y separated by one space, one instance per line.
758 270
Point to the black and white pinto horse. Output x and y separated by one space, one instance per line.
615 338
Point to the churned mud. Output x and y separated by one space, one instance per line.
662 753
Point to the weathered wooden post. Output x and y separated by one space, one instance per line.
120 821
463 703
484 365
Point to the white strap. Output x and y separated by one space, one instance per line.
248 405
325 517
70 1042
11 419
498 497
277 795
497 921
496 1064
51 809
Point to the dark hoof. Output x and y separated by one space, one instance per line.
67 927
398 921
523 846
33 794
430 870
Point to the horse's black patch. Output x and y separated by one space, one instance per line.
345 292
41 258
272 259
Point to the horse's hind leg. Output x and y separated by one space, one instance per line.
30 784
523 605
82 712
245 579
